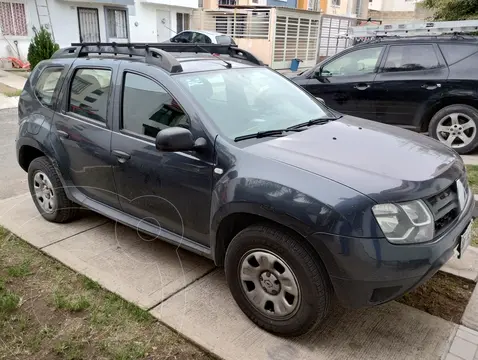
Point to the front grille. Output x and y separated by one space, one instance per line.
445 206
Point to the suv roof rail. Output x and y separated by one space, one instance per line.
412 29
154 53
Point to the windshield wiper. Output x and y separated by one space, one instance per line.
313 122
262 134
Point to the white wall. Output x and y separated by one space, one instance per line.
393 5
143 25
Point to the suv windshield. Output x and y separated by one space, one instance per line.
244 101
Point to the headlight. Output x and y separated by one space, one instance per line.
405 223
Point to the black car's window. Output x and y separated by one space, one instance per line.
89 93
148 108
358 62
201 38
46 85
184 37
411 58
454 53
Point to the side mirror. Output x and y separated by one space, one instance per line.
177 139
321 100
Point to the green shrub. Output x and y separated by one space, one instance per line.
41 47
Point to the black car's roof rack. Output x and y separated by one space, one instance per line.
437 28
154 53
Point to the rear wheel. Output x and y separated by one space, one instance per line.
456 126
276 281
48 193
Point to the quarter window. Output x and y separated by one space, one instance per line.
359 62
411 58
148 108
89 93
46 85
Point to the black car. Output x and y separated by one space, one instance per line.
422 84
229 159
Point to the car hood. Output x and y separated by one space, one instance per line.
383 162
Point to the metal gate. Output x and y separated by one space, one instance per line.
89 24
330 28
296 36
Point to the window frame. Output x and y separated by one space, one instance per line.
183 28
110 95
133 134
14 20
126 12
438 56
378 65
58 86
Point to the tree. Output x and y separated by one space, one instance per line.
452 10
41 47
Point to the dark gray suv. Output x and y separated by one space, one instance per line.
227 158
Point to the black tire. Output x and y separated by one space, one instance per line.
313 283
65 210
467 110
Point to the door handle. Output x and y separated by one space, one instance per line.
122 156
361 86
63 134
431 86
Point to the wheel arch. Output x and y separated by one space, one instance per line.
228 224
28 150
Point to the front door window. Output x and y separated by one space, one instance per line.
359 62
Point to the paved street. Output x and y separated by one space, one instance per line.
190 295
12 177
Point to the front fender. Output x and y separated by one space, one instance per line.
284 205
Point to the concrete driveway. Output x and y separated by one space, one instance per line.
190 295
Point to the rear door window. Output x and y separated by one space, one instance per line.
89 93
46 85
454 53
411 58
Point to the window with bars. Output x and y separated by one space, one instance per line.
182 22
335 2
117 23
13 20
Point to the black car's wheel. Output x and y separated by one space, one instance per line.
48 193
276 282
456 126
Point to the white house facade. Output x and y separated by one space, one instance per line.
91 21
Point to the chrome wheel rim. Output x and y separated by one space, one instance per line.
44 192
269 284
456 130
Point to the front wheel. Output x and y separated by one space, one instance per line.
276 281
456 126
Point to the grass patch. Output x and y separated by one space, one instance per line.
472 171
73 303
444 295
48 311
9 91
8 302
20 270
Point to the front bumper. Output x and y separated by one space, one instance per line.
368 271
